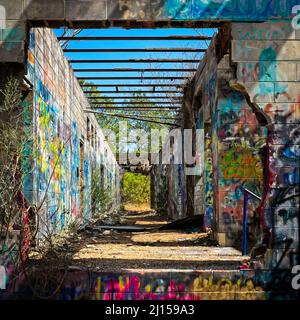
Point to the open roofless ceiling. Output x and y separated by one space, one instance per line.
169 98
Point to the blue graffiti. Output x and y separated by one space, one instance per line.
234 10
86 190
268 70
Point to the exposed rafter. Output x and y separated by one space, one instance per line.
135 70
144 108
135 103
133 97
133 78
130 85
134 118
79 38
133 92
194 50
134 61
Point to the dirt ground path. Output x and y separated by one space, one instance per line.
115 251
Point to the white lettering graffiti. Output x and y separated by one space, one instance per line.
2 17
296 18
2 278
296 279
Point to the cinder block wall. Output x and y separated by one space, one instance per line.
231 159
255 150
68 143
238 140
205 90
169 189
267 57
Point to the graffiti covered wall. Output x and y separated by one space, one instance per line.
268 69
70 145
169 188
205 87
146 13
250 116
198 285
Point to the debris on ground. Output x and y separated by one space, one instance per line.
111 250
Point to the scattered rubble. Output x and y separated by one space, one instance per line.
96 248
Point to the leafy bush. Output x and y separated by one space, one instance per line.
136 188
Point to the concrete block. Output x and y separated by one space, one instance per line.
224 63
129 10
287 91
253 50
44 9
286 217
230 276
281 112
298 71
267 71
263 31
14 30
85 10
281 234
12 51
13 9
285 134
261 91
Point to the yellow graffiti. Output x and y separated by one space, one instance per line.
241 162
225 289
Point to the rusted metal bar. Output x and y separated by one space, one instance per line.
144 116
133 78
153 117
135 70
135 103
136 50
140 108
128 24
135 118
179 85
135 61
133 97
96 38
133 92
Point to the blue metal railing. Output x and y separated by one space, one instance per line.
247 193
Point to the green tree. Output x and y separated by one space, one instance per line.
136 188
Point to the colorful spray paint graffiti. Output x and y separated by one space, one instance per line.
209 189
159 191
240 138
200 9
176 191
271 83
58 122
198 285
175 287
52 156
75 170
87 191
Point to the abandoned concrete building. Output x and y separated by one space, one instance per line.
245 96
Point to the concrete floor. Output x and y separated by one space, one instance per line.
114 251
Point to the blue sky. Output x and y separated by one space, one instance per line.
135 55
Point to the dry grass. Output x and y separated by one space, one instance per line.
166 237
137 207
